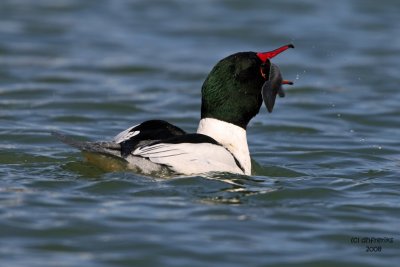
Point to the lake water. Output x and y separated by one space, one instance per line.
328 156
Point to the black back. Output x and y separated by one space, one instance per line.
149 132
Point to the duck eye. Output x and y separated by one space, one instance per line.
265 70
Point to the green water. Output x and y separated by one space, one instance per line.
327 160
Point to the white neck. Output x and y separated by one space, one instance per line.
232 137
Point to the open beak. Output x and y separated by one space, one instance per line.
273 83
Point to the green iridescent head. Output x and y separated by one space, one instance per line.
236 87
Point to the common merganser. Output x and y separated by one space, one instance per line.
232 95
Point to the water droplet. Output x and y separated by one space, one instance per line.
243 217
339 115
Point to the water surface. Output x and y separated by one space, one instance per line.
328 157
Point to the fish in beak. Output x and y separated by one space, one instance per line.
273 77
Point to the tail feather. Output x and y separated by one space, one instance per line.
107 148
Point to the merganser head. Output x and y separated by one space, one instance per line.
236 87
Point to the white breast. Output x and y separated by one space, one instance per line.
230 136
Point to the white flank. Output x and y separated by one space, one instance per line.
190 158
230 136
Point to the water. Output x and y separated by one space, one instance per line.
328 156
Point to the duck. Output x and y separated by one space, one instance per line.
231 95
